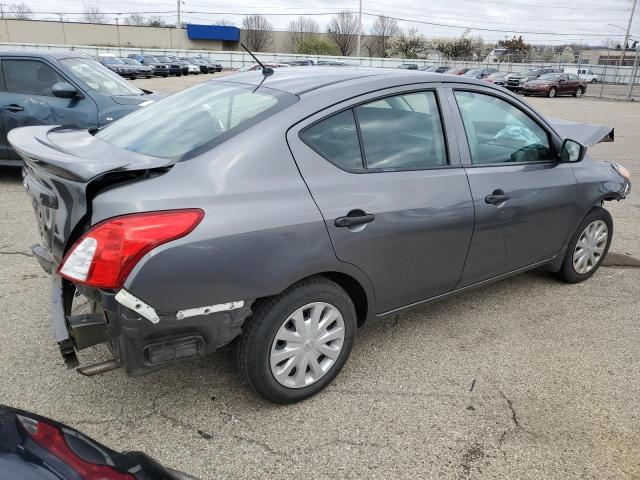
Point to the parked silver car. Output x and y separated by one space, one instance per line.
285 211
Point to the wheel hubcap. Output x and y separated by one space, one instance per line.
590 247
307 345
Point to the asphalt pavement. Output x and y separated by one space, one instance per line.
528 378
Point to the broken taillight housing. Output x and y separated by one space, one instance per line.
52 439
104 256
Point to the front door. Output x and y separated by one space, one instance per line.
394 197
28 99
524 198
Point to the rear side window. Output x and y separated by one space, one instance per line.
30 77
336 139
195 120
402 132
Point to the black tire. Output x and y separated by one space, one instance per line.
253 347
594 80
149 77
552 92
567 272
578 93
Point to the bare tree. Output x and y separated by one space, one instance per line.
135 19
300 30
383 29
156 21
20 11
258 32
343 30
92 15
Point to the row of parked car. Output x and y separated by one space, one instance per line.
147 66
546 81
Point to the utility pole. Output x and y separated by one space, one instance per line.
634 73
178 22
118 30
359 26
626 36
64 34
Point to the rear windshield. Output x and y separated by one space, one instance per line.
195 120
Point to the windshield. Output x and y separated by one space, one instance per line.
195 120
131 61
528 73
164 59
549 76
498 75
151 60
99 78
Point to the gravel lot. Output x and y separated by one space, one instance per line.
527 378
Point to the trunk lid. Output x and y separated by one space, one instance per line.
64 169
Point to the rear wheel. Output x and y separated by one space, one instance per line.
296 343
552 92
578 92
588 246
594 80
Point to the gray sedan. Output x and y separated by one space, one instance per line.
282 212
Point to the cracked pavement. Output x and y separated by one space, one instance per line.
528 378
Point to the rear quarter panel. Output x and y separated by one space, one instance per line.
261 231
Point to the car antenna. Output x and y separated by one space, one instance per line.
266 71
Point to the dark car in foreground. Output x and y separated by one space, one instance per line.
33 447
516 82
61 88
284 212
159 69
553 84
141 71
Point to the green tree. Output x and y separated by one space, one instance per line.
317 46
515 45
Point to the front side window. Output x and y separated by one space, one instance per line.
403 132
498 132
99 78
195 120
30 77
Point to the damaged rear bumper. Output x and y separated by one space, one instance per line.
141 338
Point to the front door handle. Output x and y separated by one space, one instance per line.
497 197
13 108
353 219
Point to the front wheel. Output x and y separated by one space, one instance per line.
588 246
296 343
578 92
552 92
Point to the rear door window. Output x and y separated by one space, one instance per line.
402 132
30 77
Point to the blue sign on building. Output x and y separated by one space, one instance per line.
213 32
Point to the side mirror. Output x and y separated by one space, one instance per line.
572 151
65 90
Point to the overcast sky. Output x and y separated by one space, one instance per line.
589 21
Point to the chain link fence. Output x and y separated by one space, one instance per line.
607 80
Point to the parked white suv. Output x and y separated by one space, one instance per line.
584 73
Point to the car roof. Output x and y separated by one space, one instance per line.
44 55
299 80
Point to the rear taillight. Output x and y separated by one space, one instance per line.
52 440
104 256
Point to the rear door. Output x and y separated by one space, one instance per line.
28 98
524 198
388 181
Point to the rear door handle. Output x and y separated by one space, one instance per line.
13 108
497 197
353 219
